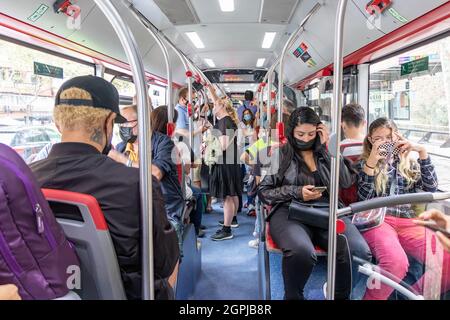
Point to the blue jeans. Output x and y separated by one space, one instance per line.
196 215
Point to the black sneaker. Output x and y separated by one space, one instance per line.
201 233
202 227
234 223
222 235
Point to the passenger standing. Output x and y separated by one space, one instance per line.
247 104
225 181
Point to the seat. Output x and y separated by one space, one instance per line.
269 258
349 195
85 227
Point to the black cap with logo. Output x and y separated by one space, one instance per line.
104 94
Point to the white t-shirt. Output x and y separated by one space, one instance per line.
353 150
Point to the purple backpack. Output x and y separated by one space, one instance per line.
34 252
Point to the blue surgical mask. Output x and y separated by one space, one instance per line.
247 117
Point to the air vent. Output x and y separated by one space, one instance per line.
278 12
179 12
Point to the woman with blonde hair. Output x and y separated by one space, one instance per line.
226 181
386 168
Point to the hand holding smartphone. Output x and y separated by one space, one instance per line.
320 189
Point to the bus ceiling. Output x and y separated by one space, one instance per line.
249 38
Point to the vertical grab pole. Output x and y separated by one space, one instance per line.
190 109
137 67
334 147
148 26
292 38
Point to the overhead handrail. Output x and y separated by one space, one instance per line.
137 68
294 36
169 92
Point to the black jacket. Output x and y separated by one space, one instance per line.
280 188
79 167
162 153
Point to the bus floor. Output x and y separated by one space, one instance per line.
229 267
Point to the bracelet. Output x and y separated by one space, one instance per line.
371 168
129 163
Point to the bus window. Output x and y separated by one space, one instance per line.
157 95
125 88
29 80
413 89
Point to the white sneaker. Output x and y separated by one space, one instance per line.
253 243
213 200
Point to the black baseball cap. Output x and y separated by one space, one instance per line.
104 94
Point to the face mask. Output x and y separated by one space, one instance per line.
196 115
126 134
303 146
247 117
208 114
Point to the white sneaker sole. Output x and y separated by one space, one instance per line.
232 226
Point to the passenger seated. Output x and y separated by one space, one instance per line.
305 163
85 110
163 166
353 125
385 172
9 292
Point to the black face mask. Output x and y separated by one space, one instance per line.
303 146
126 134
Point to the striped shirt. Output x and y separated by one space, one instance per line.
427 182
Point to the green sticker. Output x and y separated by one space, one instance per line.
397 15
38 13
47 70
414 66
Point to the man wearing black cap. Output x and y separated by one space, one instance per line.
85 109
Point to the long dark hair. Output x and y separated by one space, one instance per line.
302 115
159 119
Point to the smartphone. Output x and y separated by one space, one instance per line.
433 226
389 148
320 189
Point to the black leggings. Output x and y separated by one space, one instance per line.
299 258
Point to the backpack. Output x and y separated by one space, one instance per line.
34 252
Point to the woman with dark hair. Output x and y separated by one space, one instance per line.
305 164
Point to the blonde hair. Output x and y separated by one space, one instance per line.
230 109
408 168
83 118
